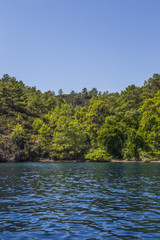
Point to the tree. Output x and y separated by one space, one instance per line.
152 86
18 136
94 118
37 124
111 136
97 154
60 92
84 91
133 145
69 140
72 92
45 133
93 92
130 98
150 124
6 78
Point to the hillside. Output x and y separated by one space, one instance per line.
86 125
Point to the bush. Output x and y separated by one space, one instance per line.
18 136
98 154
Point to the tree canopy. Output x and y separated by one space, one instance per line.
89 125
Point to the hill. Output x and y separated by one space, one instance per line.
86 125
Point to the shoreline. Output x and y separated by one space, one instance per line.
90 161
47 160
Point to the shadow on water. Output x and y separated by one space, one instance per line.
79 201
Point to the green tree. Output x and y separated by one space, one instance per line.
84 91
69 140
37 124
18 136
94 118
152 86
111 136
60 92
134 145
93 92
150 124
97 154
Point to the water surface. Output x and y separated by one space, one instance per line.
79 201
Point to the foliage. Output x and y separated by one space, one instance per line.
69 140
18 136
97 154
111 136
86 125
134 144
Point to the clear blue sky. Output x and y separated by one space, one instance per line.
72 44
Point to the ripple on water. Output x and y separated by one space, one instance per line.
79 201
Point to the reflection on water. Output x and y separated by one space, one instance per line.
79 201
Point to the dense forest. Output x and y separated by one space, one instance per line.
89 125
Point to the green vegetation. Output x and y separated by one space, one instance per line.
89 125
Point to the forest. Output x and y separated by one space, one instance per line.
84 126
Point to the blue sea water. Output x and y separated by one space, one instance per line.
79 201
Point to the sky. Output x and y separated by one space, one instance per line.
72 44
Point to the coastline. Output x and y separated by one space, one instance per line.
21 158
90 161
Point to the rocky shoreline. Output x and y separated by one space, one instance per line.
46 160
99 161
23 156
